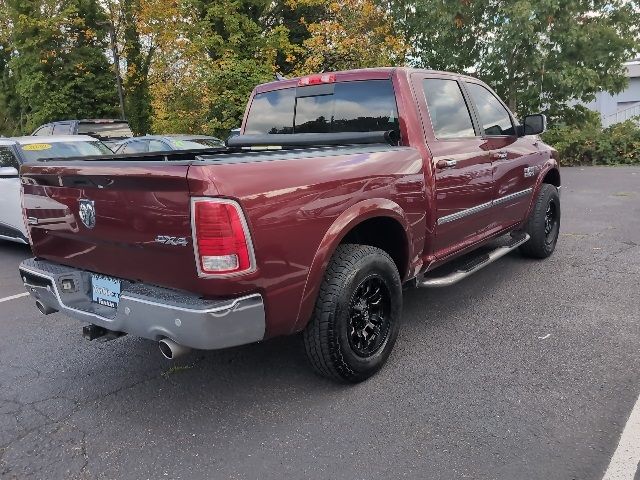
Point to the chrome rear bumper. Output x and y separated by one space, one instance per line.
149 311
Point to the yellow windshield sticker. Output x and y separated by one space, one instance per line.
36 147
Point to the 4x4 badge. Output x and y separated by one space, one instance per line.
87 211
172 241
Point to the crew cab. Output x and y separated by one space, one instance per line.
342 189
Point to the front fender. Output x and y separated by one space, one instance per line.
350 218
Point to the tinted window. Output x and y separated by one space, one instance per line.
140 146
45 130
107 130
495 119
365 106
158 146
36 151
272 112
447 108
8 159
62 129
196 143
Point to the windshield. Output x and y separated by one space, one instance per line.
105 130
196 143
361 106
36 151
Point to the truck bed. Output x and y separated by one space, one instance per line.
290 199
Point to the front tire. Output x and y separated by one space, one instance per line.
543 225
356 319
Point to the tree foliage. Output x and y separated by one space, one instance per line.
538 54
53 62
189 65
351 34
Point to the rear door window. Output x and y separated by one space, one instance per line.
448 110
494 117
361 106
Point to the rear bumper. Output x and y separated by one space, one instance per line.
148 311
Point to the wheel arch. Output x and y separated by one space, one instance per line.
358 224
552 176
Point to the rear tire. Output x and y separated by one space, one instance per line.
543 225
356 318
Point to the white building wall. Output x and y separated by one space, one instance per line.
626 102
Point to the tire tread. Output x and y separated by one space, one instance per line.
536 246
320 341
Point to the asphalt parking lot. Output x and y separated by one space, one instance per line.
528 370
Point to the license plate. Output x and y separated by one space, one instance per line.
106 291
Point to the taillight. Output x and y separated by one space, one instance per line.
221 238
317 79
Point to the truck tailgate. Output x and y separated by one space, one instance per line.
134 224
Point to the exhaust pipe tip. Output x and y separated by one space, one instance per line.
44 309
172 350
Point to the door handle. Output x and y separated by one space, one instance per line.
502 155
442 164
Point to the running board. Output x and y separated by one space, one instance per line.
474 264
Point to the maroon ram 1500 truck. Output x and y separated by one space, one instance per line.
342 188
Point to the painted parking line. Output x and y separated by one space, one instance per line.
13 297
626 459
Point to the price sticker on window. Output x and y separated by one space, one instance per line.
36 147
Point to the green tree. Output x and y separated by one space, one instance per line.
10 108
538 54
138 62
295 16
351 34
219 51
56 68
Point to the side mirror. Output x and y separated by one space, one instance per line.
8 172
534 124
234 133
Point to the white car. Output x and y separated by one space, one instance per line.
18 150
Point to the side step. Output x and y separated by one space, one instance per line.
472 265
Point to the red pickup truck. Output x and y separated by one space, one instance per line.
341 189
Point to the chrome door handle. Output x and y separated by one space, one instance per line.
442 164
500 155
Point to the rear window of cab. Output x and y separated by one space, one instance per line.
359 106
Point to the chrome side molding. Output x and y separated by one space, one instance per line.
484 206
